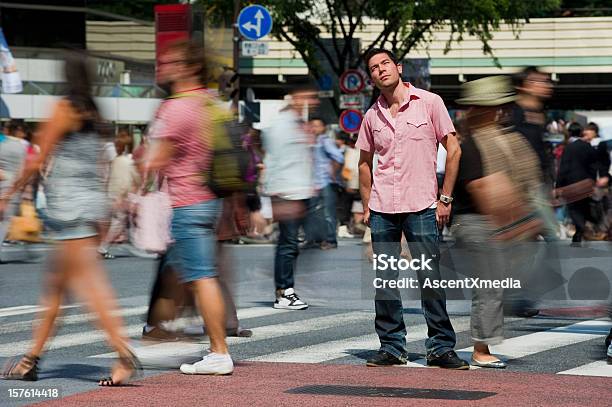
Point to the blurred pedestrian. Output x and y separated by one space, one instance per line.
579 163
180 150
76 208
12 160
404 127
123 179
288 181
327 159
496 172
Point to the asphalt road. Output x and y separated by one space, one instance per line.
337 329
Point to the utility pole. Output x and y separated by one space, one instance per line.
236 41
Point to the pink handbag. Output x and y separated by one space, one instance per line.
151 221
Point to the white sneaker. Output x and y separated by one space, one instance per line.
289 300
212 363
344 232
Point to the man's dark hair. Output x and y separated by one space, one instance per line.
17 124
302 87
519 78
194 55
319 118
593 127
376 51
575 130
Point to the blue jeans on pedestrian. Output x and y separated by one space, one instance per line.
329 212
287 251
320 224
421 232
193 230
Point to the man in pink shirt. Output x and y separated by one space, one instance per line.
404 128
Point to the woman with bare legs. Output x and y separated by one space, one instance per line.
76 208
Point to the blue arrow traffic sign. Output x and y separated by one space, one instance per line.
254 22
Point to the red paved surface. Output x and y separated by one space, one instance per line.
266 384
597 311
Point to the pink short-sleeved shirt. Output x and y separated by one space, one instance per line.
181 121
405 177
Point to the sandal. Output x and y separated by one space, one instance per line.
29 362
106 255
130 361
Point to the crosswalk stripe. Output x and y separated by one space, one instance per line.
19 326
27 309
326 351
526 345
599 368
84 338
64 341
268 332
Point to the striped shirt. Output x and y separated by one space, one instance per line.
183 122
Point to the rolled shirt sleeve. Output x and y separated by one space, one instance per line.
440 118
365 141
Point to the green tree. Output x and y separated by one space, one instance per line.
406 23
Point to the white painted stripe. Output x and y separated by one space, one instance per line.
599 368
33 309
27 309
268 332
527 345
64 341
256 312
19 326
326 351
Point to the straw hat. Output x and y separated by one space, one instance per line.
489 91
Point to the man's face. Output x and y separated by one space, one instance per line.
589 134
384 72
304 98
172 67
538 85
317 127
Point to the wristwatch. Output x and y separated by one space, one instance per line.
446 199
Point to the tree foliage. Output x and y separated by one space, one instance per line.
406 24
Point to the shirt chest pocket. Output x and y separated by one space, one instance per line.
383 137
418 129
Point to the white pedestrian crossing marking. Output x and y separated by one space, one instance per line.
27 309
530 344
327 351
168 354
273 331
599 368
19 326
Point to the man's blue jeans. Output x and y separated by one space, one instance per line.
287 251
421 232
320 224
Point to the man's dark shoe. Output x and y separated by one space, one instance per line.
449 360
383 358
159 334
609 339
309 245
527 313
328 246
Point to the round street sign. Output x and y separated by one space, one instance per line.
350 121
254 22
351 81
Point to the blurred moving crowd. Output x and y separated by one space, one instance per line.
294 183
